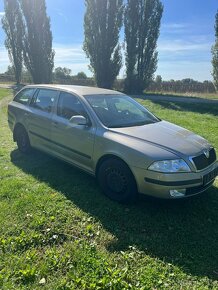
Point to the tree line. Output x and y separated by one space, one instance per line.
64 75
61 75
29 41
181 86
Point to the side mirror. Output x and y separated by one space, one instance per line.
78 120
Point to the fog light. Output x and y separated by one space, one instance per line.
177 192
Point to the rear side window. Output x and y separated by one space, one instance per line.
69 106
45 100
24 96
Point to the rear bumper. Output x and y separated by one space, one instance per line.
161 185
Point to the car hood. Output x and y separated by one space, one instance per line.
168 136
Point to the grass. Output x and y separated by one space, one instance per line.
3 93
59 232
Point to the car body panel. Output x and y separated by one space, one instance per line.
188 180
39 124
168 136
75 143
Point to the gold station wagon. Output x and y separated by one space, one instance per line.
111 136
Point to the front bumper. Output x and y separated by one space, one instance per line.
161 184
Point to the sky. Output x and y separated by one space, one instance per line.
184 46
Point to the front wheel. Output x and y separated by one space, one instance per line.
22 139
117 181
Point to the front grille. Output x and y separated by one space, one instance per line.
201 161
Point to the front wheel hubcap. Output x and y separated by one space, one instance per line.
116 181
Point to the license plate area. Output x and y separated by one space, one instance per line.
210 176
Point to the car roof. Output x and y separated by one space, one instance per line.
80 90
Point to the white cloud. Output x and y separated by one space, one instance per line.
185 58
177 60
72 53
174 28
174 25
178 70
71 56
182 46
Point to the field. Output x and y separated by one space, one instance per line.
209 96
57 231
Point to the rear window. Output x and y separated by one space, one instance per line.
24 96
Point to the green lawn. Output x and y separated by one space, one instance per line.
4 93
57 231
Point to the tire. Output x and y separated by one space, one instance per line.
22 139
117 181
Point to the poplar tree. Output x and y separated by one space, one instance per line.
13 26
102 24
215 54
37 41
142 25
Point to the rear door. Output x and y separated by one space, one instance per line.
19 107
40 118
72 142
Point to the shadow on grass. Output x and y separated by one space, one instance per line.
183 233
202 108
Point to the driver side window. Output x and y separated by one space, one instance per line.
69 106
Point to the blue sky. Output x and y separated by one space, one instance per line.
184 45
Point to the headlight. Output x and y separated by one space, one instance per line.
178 165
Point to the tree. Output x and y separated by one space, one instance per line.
62 73
26 76
215 54
102 24
81 76
158 82
142 25
37 41
12 24
10 71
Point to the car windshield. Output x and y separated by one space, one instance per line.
116 111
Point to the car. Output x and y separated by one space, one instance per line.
111 136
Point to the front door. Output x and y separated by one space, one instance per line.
74 143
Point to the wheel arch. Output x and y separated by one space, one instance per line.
16 127
113 156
